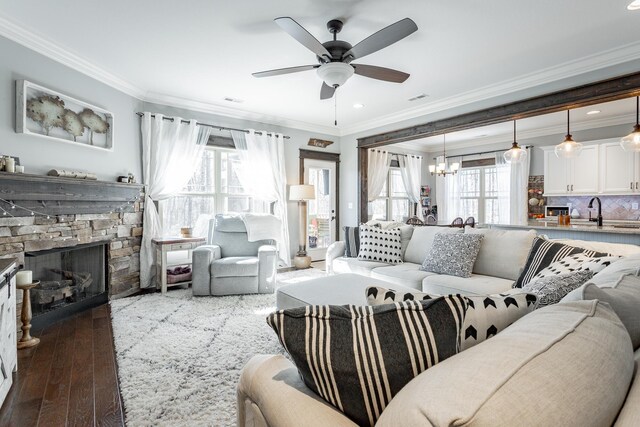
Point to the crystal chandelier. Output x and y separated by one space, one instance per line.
442 168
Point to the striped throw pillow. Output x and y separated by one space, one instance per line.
358 357
543 253
351 241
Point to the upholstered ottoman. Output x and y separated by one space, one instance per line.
339 289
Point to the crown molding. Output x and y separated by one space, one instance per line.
225 111
523 135
65 56
591 63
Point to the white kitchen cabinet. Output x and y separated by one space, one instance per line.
8 344
619 170
571 176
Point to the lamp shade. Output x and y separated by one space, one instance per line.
302 192
335 73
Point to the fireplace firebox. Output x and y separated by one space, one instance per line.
72 280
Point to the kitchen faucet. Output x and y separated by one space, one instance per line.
598 219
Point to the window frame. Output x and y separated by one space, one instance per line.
388 198
482 191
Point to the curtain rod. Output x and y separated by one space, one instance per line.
396 154
482 152
213 126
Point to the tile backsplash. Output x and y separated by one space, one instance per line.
613 207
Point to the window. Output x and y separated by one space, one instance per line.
479 193
392 204
214 188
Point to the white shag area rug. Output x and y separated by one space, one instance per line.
179 357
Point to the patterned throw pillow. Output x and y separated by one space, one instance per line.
552 289
577 262
358 358
380 245
453 254
351 241
543 253
485 317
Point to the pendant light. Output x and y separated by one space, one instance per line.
516 154
631 142
568 149
441 168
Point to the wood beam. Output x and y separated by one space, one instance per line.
581 96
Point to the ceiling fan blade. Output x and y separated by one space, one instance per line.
326 91
380 73
383 38
281 71
303 36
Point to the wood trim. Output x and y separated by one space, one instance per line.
581 96
363 184
330 157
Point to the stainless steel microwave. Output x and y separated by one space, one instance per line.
554 211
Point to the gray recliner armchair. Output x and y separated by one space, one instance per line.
231 264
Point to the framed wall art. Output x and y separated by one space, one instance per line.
49 114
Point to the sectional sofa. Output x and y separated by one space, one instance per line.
502 257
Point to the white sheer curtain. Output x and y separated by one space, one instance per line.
519 191
170 152
411 170
378 170
503 190
448 194
263 175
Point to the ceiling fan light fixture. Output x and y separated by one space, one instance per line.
335 74
634 5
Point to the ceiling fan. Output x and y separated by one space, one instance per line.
334 57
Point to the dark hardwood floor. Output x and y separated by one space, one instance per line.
69 379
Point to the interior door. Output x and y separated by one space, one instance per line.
321 212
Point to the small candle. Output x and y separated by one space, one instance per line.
10 164
24 277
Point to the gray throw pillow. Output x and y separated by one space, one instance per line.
486 315
624 298
453 254
552 289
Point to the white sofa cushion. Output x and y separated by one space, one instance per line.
503 253
355 265
421 242
407 274
630 414
477 284
563 365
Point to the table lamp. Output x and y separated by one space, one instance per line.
300 194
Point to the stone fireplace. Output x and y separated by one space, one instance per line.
73 215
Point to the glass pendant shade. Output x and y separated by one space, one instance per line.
515 154
568 149
631 142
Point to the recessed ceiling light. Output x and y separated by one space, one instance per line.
358 105
592 112
634 5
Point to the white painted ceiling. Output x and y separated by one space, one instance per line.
204 51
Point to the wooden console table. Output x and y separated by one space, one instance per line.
163 246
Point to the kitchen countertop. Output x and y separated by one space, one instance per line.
612 227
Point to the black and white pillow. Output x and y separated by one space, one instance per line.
577 262
351 241
358 358
485 317
380 245
552 289
543 253
453 254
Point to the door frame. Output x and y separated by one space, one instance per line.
330 157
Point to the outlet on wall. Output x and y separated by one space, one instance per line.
569 205
634 206
350 205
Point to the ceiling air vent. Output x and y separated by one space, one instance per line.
421 96
236 100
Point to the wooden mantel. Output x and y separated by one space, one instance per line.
61 196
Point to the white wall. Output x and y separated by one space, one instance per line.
38 154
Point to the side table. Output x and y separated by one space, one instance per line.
164 245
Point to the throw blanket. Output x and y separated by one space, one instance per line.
264 227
